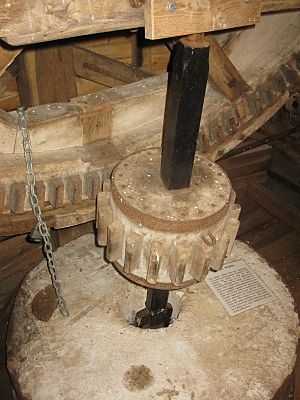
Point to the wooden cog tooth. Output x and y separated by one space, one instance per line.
278 82
219 252
254 106
156 254
106 185
92 184
232 230
290 76
200 260
74 189
265 95
133 249
115 238
229 123
212 132
239 110
178 261
56 193
17 198
104 217
220 133
206 143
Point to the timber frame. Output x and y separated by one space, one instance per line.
77 143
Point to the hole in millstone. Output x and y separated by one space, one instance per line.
151 308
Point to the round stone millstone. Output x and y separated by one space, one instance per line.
96 354
166 239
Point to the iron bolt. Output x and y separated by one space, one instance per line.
171 6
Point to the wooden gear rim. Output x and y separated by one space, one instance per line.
160 224
159 285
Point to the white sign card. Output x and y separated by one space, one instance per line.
238 288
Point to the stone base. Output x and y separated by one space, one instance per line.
96 354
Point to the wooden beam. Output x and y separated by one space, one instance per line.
223 74
39 21
46 75
7 56
275 205
104 70
27 22
279 5
64 217
163 19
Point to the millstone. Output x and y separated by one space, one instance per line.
97 354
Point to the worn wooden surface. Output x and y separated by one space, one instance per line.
104 70
46 75
223 73
35 21
194 17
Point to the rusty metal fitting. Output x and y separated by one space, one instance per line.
136 3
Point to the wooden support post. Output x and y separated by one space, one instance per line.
46 75
184 103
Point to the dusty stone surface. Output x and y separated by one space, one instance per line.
96 354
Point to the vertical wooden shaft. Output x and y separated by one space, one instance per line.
185 96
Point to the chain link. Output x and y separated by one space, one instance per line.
36 209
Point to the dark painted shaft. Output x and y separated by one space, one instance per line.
158 311
185 96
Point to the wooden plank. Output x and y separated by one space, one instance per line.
26 22
275 205
39 21
66 216
67 234
46 75
279 5
253 219
280 247
104 70
186 18
223 73
247 163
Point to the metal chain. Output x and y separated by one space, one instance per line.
36 209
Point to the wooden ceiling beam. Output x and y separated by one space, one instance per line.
26 22
104 70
